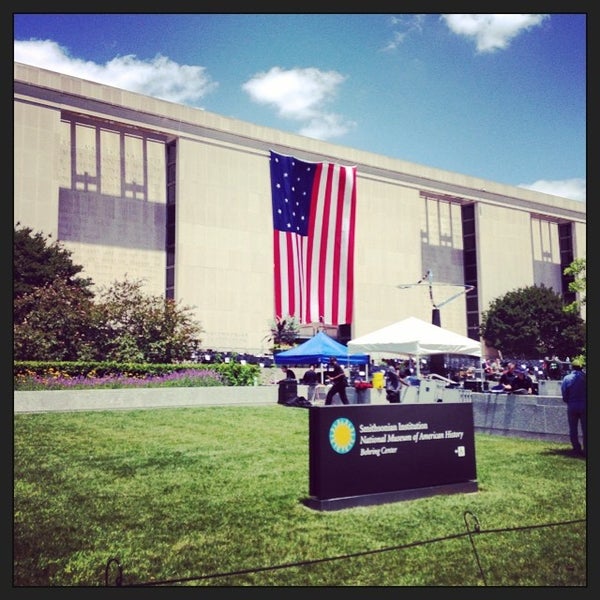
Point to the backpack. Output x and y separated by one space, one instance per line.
298 402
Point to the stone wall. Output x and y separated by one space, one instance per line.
538 417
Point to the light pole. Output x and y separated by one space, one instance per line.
436 360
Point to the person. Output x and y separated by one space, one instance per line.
574 393
532 372
493 370
289 374
311 379
337 377
553 369
393 385
521 383
506 379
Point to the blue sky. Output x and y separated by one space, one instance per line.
501 97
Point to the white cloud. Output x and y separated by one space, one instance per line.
159 77
326 126
492 32
575 189
409 24
301 95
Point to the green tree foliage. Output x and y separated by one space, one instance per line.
54 323
56 316
51 303
531 323
284 331
136 327
37 262
577 270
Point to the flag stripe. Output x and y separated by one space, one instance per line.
350 202
288 276
339 271
277 271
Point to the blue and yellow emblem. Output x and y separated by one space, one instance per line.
342 435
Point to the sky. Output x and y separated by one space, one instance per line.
501 97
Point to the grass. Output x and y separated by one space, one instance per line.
178 494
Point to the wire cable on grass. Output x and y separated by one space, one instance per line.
477 530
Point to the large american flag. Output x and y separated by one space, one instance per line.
314 212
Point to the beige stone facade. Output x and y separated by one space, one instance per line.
146 189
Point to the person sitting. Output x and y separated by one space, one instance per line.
522 383
553 369
506 379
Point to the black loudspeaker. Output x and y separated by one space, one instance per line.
344 333
288 390
436 364
473 385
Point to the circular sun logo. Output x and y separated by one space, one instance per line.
342 435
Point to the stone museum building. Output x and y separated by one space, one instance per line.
181 198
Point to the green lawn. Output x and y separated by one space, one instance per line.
177 495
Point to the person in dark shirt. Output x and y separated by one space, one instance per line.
311 379
337 377
506 379
289 374
553 369
521 383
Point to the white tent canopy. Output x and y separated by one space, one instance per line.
415 337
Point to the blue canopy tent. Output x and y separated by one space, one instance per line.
318 350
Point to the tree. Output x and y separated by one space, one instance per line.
51 303
54 323
284 331
132 326
577 270
56 316
531 323
37 262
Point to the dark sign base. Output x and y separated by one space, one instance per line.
463 487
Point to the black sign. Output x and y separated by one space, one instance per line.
363 449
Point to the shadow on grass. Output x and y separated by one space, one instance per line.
569 452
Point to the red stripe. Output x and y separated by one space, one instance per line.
323 258
350 271
310 247
291 310
335 291
277 273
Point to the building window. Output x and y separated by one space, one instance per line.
171 150
470 269
565 243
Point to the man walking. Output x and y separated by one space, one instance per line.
574 393
338 378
